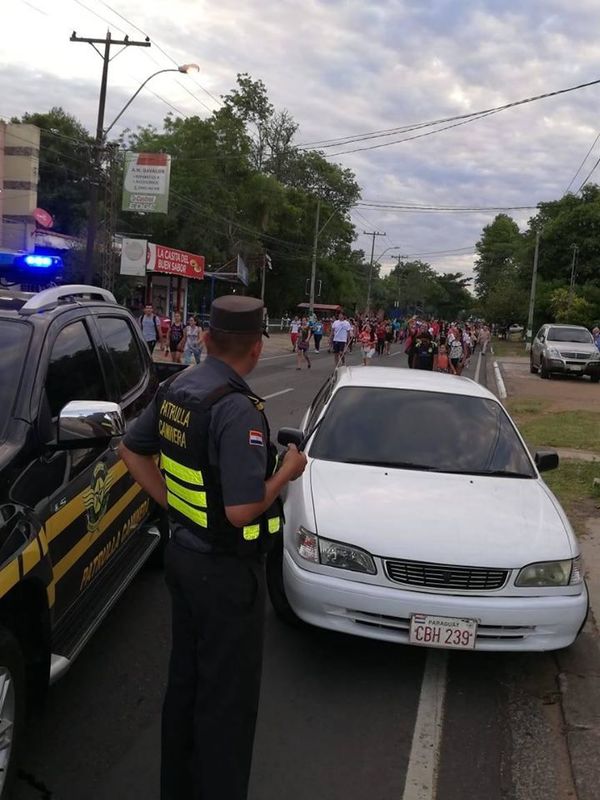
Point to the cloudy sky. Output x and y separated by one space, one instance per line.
347 67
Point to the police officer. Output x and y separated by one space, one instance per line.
218 481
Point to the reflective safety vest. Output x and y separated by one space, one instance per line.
194 492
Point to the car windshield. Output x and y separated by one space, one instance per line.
15 341
579 335
431 431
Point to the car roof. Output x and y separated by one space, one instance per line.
412 379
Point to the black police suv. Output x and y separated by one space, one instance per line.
74 527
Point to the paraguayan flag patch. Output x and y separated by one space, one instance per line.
256 437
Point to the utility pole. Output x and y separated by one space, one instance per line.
575 249
373 234
108 42
313 271
529 333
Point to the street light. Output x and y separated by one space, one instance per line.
98 146
185 68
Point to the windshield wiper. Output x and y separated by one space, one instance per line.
493 473
392 464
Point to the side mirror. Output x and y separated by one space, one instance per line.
546 460
84 423
290 436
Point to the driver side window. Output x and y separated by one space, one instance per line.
74 371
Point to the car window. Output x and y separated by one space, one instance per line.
578 335
427 430
14 337
126 358
74 371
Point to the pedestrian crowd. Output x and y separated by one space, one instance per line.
435 344
182 342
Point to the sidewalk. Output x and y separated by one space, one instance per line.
579 665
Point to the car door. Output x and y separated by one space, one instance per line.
132 384
75 510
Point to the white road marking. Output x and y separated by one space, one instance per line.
499 382
421 775
276 394
271 358
478 369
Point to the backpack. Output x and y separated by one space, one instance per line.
156 325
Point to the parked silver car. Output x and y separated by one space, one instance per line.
568 349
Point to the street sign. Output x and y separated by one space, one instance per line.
170 261
146 182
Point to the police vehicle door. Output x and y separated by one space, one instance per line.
81 515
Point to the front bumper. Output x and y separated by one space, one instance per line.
379 612
573 367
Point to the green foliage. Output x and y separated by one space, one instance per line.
65 157
571 308
498 253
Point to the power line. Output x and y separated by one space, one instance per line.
341 141
589 175
587 155
167 55
436 209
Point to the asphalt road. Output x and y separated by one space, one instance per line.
337 713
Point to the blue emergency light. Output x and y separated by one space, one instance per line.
35 261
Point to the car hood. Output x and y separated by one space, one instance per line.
448 519
588 348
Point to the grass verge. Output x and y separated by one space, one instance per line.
539 425
504 348
573 484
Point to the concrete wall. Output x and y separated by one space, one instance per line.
19 175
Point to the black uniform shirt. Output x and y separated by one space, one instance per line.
234 448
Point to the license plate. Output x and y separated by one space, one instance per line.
452 632
575 367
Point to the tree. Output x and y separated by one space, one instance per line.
498 254
572 220
571 308
65 158
505 302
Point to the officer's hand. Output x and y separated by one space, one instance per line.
294 462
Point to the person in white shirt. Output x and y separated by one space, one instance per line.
340 331
294 330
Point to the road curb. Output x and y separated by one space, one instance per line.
499 382
579 684
579 674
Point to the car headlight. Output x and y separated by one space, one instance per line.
337 554
551 573
333 554
554 352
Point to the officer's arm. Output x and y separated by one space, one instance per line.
292 467
144 470
241 443
139 451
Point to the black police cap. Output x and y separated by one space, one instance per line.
234 313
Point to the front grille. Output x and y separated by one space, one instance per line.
575 356
443 576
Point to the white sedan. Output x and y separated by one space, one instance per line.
422 519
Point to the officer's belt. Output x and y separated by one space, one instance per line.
190 541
